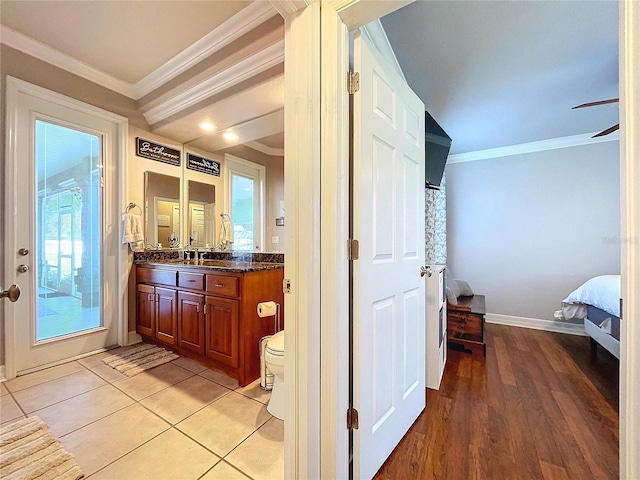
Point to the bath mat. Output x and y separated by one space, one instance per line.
138 359
28 450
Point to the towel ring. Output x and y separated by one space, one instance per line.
133 205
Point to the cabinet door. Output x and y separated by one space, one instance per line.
222 330
166 315
191 322
145 310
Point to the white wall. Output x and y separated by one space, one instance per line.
526 230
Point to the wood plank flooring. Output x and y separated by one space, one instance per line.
539 406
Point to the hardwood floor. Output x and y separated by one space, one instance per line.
539 406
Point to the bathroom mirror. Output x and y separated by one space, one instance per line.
201 214
162 209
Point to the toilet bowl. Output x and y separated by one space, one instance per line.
274 361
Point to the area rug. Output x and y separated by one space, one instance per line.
28 451
138 359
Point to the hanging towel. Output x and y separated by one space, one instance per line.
226 232
132 231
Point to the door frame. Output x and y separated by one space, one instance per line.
14 87
629 74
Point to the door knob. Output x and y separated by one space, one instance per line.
23 268
23 252
12 294
425 271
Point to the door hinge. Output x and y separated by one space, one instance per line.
354 249
353 82
352 418
286 286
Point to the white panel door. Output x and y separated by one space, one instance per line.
388 291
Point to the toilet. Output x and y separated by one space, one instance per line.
274 361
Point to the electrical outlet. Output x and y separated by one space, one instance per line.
275 239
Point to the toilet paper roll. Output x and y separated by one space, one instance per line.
267 309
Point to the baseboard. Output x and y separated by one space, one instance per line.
133 338
3 372
536 324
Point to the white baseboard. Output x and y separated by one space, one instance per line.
133 338
536 324
3 372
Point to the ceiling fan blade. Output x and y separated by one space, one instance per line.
593 104
607 131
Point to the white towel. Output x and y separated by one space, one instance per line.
226 232
132 231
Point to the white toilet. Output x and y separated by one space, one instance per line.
274 361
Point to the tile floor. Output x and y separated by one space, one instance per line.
180 420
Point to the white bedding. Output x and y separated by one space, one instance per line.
602 292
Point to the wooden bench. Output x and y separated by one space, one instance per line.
465 325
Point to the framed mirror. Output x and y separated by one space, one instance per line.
162 209
201 224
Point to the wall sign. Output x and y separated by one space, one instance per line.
203 165
156 151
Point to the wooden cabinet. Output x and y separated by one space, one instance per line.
222 330
465 324
191 312
208 313
156 313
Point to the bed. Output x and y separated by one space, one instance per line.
597 301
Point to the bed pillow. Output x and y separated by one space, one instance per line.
602 292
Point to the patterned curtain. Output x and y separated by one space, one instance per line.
436 224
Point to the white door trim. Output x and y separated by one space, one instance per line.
630 241
14 87
302 251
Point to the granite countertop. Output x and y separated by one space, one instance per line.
219 265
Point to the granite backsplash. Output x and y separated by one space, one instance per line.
156 255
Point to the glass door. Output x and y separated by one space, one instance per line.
69 210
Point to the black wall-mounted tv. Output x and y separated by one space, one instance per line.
437 144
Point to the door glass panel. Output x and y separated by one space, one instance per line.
68 231
242 217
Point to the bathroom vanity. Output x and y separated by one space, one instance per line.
207 310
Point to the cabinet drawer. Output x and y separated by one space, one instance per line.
156 275
465 326
191 280
223 285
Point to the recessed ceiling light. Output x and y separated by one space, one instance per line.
208 126
230 135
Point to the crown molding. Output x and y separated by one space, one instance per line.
261 147
531 147
244 69
43 52
286 8
242 22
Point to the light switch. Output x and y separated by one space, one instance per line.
275 239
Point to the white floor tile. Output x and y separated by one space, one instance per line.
225 423
169 456
261 456
101 443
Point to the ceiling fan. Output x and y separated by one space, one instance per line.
601 102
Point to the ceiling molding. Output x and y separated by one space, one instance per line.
241 23
61 60
531 147
261 147
236 73
377 35
287 8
